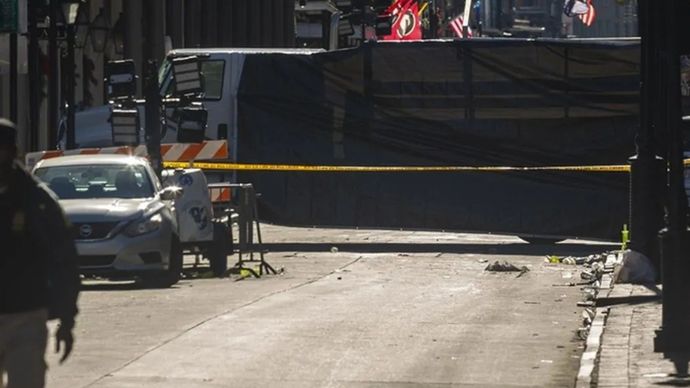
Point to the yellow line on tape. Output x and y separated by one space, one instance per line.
228 166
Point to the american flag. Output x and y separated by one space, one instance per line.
456 25
587 18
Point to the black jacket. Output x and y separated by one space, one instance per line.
38 259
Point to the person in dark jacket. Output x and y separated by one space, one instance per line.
38 271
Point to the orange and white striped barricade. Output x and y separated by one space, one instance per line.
220 194
176 152
186 152
32 158
222 199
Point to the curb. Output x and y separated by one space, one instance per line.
590 357
593 346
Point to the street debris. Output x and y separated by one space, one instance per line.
334 249
552 259
588 316
505 266
599 273
590 293
572 260
594 273
636 268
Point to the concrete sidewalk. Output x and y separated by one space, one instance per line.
626 355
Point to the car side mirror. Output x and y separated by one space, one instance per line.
171 193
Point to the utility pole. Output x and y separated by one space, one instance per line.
433 19
54 75
673 337
13 78
154 29
35 84
466 19
70 89
152 126
647 177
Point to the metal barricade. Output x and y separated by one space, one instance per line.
238 200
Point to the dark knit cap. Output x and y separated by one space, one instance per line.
8 133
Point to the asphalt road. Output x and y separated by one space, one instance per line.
382 308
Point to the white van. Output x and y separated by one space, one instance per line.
222 73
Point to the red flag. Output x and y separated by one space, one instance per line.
396 6
587 18
406 23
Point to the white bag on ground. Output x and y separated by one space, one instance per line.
636 268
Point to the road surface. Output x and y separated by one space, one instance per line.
353 308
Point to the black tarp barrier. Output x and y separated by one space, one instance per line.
476 102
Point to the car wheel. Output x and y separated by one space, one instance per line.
171 276
218 249
540 240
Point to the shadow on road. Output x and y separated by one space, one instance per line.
628 300
677 382
633 300
567 249
189 273
111 286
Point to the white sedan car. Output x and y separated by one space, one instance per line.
123 220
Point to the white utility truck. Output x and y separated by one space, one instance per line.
221 72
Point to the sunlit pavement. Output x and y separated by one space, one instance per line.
352 308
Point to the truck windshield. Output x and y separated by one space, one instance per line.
212 74
97 181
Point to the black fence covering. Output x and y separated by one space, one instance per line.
446 103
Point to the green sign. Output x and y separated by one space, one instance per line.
9 16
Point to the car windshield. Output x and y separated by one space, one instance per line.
97 181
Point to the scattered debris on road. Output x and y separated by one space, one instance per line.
505 266
572 260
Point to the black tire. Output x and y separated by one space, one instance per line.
171 276
218 249
540 240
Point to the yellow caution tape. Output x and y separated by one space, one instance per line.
229 166
311 168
